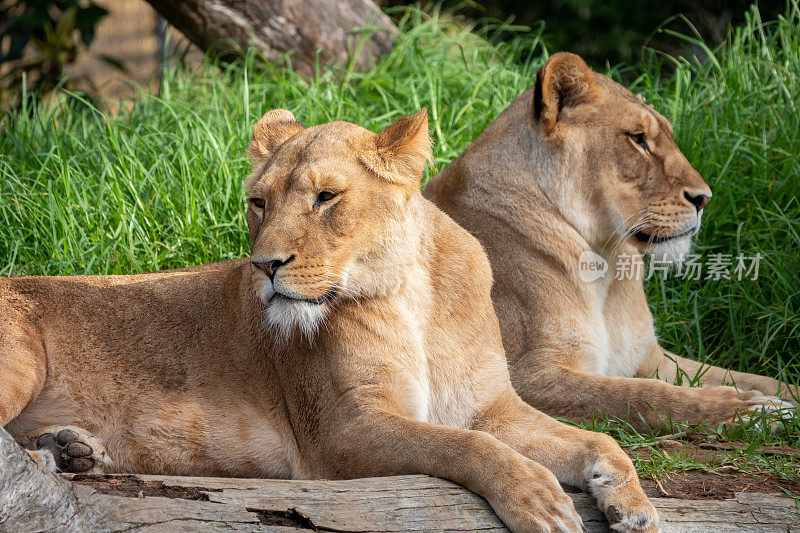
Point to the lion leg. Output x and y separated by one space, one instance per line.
23 364
23 369
586 459
524 494
67 449
644 403
672 368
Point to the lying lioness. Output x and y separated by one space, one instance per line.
358 340
579 165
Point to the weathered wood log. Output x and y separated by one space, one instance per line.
403 503
33 499
278 26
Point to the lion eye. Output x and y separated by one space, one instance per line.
257 202
639 139
326 196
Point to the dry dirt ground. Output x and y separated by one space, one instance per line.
717 481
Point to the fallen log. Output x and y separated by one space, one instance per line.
32 498
331 27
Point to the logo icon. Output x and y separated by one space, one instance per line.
591 266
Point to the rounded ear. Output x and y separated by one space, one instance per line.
400 152
564 81
275 128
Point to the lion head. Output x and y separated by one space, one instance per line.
621 175
327 212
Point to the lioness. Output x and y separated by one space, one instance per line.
579 164
358 340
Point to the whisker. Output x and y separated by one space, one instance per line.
640 223
622 238
621 229
338 276
347 291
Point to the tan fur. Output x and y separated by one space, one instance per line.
373 350
558 174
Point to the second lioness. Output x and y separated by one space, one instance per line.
359 340
579 167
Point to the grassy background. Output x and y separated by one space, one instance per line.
159 185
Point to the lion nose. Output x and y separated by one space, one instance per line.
698 199
270 266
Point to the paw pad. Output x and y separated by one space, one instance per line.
71 455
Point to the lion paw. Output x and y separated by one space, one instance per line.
767 403
72 449
760 404
534 501
728 405
623 501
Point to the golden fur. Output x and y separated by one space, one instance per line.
578 164
358 340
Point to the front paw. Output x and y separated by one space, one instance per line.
531 500
620 497
73 449
728 405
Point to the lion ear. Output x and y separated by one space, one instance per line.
400 152
564 81
275 128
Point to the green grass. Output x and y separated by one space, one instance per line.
758 435
159 185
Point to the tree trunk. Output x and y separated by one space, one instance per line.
274 27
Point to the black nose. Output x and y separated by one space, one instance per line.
271 265
698 199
